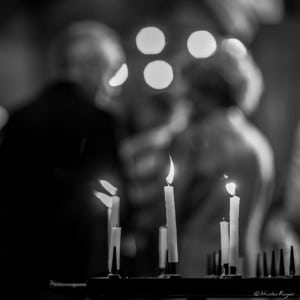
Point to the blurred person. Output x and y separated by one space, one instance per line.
283 227
54 151
207 133
223 146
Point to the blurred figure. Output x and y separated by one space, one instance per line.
222 146
206 131
283 227
52 155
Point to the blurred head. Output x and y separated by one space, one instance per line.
227 78
89 53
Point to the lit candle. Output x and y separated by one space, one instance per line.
162 247
171 217
224 228
115 242
233 228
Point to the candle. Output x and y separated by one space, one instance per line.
112 202
171 217
115 242
107 201
162 247
115 208
224 228
234 232
233 227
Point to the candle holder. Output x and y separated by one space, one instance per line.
114 273
161 272
114 276
232 274
226 269
172 270
154 287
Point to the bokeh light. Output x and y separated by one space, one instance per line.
201 44
120 76
150 40
235 46
158 74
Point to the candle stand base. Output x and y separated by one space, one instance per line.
291 276
231 276
161 272
113 276
212 276
172 276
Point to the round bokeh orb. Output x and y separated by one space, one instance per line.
150 40
158 74
201 44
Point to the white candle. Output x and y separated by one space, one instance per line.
171 217
234 231
108 202
162 247
224 228
115 242
108 227
115 211
113 221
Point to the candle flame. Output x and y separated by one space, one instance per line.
105 199
230 187
112 190
170 176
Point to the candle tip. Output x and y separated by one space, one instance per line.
292 261
265 265
273 265
258 266
281 264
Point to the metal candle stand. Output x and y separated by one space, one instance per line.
169 287
169 284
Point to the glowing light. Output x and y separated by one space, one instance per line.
120 76
225 176
158 74
231 187
201 44
235 46
105 199
171 174
150 40
109 187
